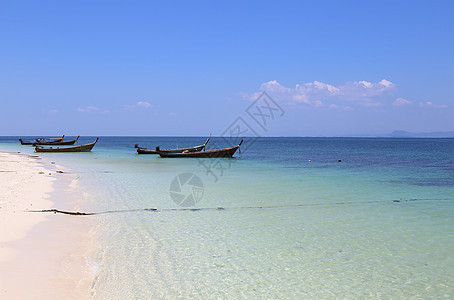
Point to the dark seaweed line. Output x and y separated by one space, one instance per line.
55 211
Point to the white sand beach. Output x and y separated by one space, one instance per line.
42 255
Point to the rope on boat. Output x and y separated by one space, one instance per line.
77 213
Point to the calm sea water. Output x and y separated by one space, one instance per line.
295 222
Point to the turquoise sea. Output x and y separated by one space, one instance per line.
288 218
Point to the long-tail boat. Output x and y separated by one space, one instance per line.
224 152
26 142
55 143
81 148
51 139
40 140
141 150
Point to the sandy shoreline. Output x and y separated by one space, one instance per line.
42 256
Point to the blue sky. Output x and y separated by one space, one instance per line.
190 68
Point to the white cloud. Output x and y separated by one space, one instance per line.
136 107
140 104
52 111
88 109
143 104
372 104
386 83
320 94
430 104
400 102
335 106
365 83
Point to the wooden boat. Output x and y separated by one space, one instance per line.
39 140
178 150
26 142
55 142
52 139
81 148
224 152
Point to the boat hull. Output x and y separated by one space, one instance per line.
41 140
56 143
26 142
226 152
81 148
180 150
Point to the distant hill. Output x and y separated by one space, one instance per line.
438 134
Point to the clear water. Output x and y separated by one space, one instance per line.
378 224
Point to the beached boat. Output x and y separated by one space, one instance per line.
81 148
199 148
39 140
224 152
55 142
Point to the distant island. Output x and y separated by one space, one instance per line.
437 134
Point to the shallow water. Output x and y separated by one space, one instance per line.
285 219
